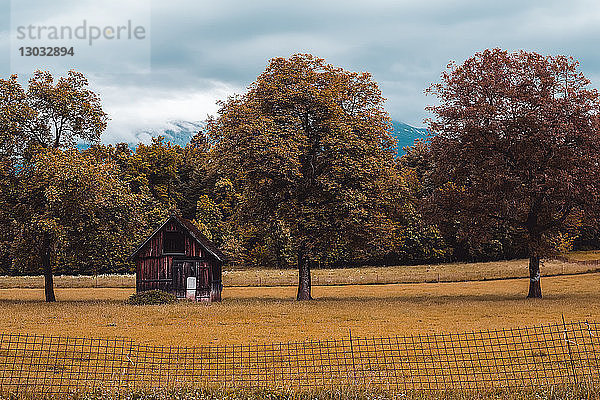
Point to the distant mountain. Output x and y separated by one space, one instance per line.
406 134
180 133
176 132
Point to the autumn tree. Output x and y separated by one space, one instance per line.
11 146
306 146
8 187
48 114
78 211
157 166
194 178
61 112
133 171
408 238
501 242
516 147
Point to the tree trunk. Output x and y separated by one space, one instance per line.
535 289
304 283
48 277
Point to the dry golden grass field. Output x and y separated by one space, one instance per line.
450 272
270 314
584 255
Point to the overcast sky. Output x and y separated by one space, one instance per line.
202 51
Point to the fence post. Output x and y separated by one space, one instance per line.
569 349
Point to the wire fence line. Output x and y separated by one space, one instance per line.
556 354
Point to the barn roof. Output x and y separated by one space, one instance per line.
193 231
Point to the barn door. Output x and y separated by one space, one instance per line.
203 280
184 269
181 271
178 278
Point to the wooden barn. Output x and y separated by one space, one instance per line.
179 259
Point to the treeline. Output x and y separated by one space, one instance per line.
98 203
300 171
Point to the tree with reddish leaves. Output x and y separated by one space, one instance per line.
516 145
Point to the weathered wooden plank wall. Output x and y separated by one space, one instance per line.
155 269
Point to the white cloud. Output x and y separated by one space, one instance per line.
134 109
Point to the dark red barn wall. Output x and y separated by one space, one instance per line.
154 268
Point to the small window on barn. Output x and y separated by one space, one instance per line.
173 243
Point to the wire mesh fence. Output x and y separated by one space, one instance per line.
558 354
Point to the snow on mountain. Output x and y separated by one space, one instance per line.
406 135
176 132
